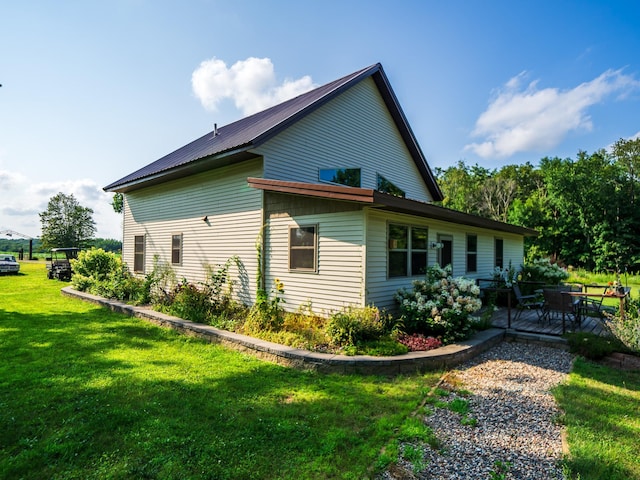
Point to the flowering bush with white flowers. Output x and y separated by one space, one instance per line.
440 306
505 277
543 271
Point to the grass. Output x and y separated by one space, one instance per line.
86 393
602 416
89 394
589 278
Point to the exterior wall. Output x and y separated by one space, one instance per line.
339 279
380 289
354 130
234 221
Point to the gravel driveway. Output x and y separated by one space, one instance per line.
516 435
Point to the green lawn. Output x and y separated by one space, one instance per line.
602 415
89 394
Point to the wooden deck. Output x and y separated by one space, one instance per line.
528 322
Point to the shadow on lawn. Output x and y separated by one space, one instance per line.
97 394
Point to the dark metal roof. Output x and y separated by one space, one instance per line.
232 141
385 201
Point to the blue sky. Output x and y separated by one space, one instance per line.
93 90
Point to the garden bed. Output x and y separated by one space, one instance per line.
440 358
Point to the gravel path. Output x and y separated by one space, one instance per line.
515 414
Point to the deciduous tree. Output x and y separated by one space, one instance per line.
65 223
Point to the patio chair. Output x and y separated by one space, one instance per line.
560 305
592 307
527 302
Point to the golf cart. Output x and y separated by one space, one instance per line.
59 264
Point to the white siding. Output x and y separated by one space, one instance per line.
380 289
339 279
354 130
234 220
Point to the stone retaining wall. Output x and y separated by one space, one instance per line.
440 358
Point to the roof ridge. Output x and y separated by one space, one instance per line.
338 84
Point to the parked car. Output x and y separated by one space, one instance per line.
59 263
8 264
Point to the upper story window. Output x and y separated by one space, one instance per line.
342 176
385 186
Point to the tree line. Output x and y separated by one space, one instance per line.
65 223
13 245
584 209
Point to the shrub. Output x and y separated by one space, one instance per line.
220 285
103 273
504 277
440 306
592 346
418 342
266 313
191 302
356 324
96 264
627 328
544 272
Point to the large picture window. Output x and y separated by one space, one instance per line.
176 248
138 253
472 253
303 248
342 176
407 250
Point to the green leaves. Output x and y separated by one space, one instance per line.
65 223
585 209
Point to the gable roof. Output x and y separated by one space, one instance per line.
385 201
231 143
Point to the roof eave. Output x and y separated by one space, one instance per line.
180 171
385 201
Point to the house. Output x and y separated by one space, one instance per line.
329 192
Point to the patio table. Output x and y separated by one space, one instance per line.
621 296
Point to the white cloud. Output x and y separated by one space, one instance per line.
9 179
21 201
251 84
523 119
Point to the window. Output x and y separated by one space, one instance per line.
303 248
385 186
445 253
419 251
472 253
498 247
343 176
138 253
176 248
407 250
